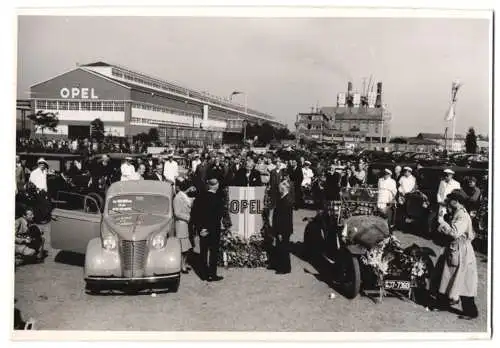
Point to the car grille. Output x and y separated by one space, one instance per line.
133 256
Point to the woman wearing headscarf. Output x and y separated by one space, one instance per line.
182 205
458 275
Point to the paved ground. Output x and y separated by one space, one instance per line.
246 300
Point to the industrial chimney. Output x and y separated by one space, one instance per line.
349 88
378 103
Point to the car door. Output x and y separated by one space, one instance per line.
75 221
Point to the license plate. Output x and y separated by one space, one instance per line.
397 284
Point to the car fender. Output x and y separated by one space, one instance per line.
101 262
173 248
166 260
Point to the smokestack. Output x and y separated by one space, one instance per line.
349 88
378 103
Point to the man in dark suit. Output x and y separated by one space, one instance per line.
296 176
332 184
150 165
156 174
283 229
248 176
217 170
200 176
276 176
233 169
207 213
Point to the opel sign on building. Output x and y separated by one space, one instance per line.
78 93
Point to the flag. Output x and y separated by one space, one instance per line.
450 115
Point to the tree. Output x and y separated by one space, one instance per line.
471 141
44 120
153 134
97 129
266 133
142 137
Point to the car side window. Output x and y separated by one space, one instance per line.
76 202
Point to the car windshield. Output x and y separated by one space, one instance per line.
133 204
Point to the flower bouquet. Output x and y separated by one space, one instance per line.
241 252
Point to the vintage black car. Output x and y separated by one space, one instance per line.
427 159
58 163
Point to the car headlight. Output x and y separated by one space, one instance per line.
109 242
158 241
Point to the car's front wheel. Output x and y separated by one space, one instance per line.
174 286
92 289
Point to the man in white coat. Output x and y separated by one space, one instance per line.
127 170
170 169
446 186
407 182
307 174
38 177
386 194
195 163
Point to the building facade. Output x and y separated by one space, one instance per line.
355 118
130 102
314 125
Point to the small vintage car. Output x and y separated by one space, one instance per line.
130 245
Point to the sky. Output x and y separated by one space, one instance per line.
284 65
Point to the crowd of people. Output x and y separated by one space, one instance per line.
201 212
80 146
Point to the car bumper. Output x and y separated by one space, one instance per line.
110 282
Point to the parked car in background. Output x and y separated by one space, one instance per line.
130 246
428 179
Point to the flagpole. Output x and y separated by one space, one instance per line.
453 133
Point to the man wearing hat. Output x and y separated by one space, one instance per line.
208 211
458 278
446 186
386 194
195 162
127 169
38 177
407 182
170 169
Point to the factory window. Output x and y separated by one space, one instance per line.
52 105
107 106
86 106
63 105
119 106
41 104
74 105
96 106
376 128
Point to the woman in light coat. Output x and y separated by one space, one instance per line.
182 205
459 277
